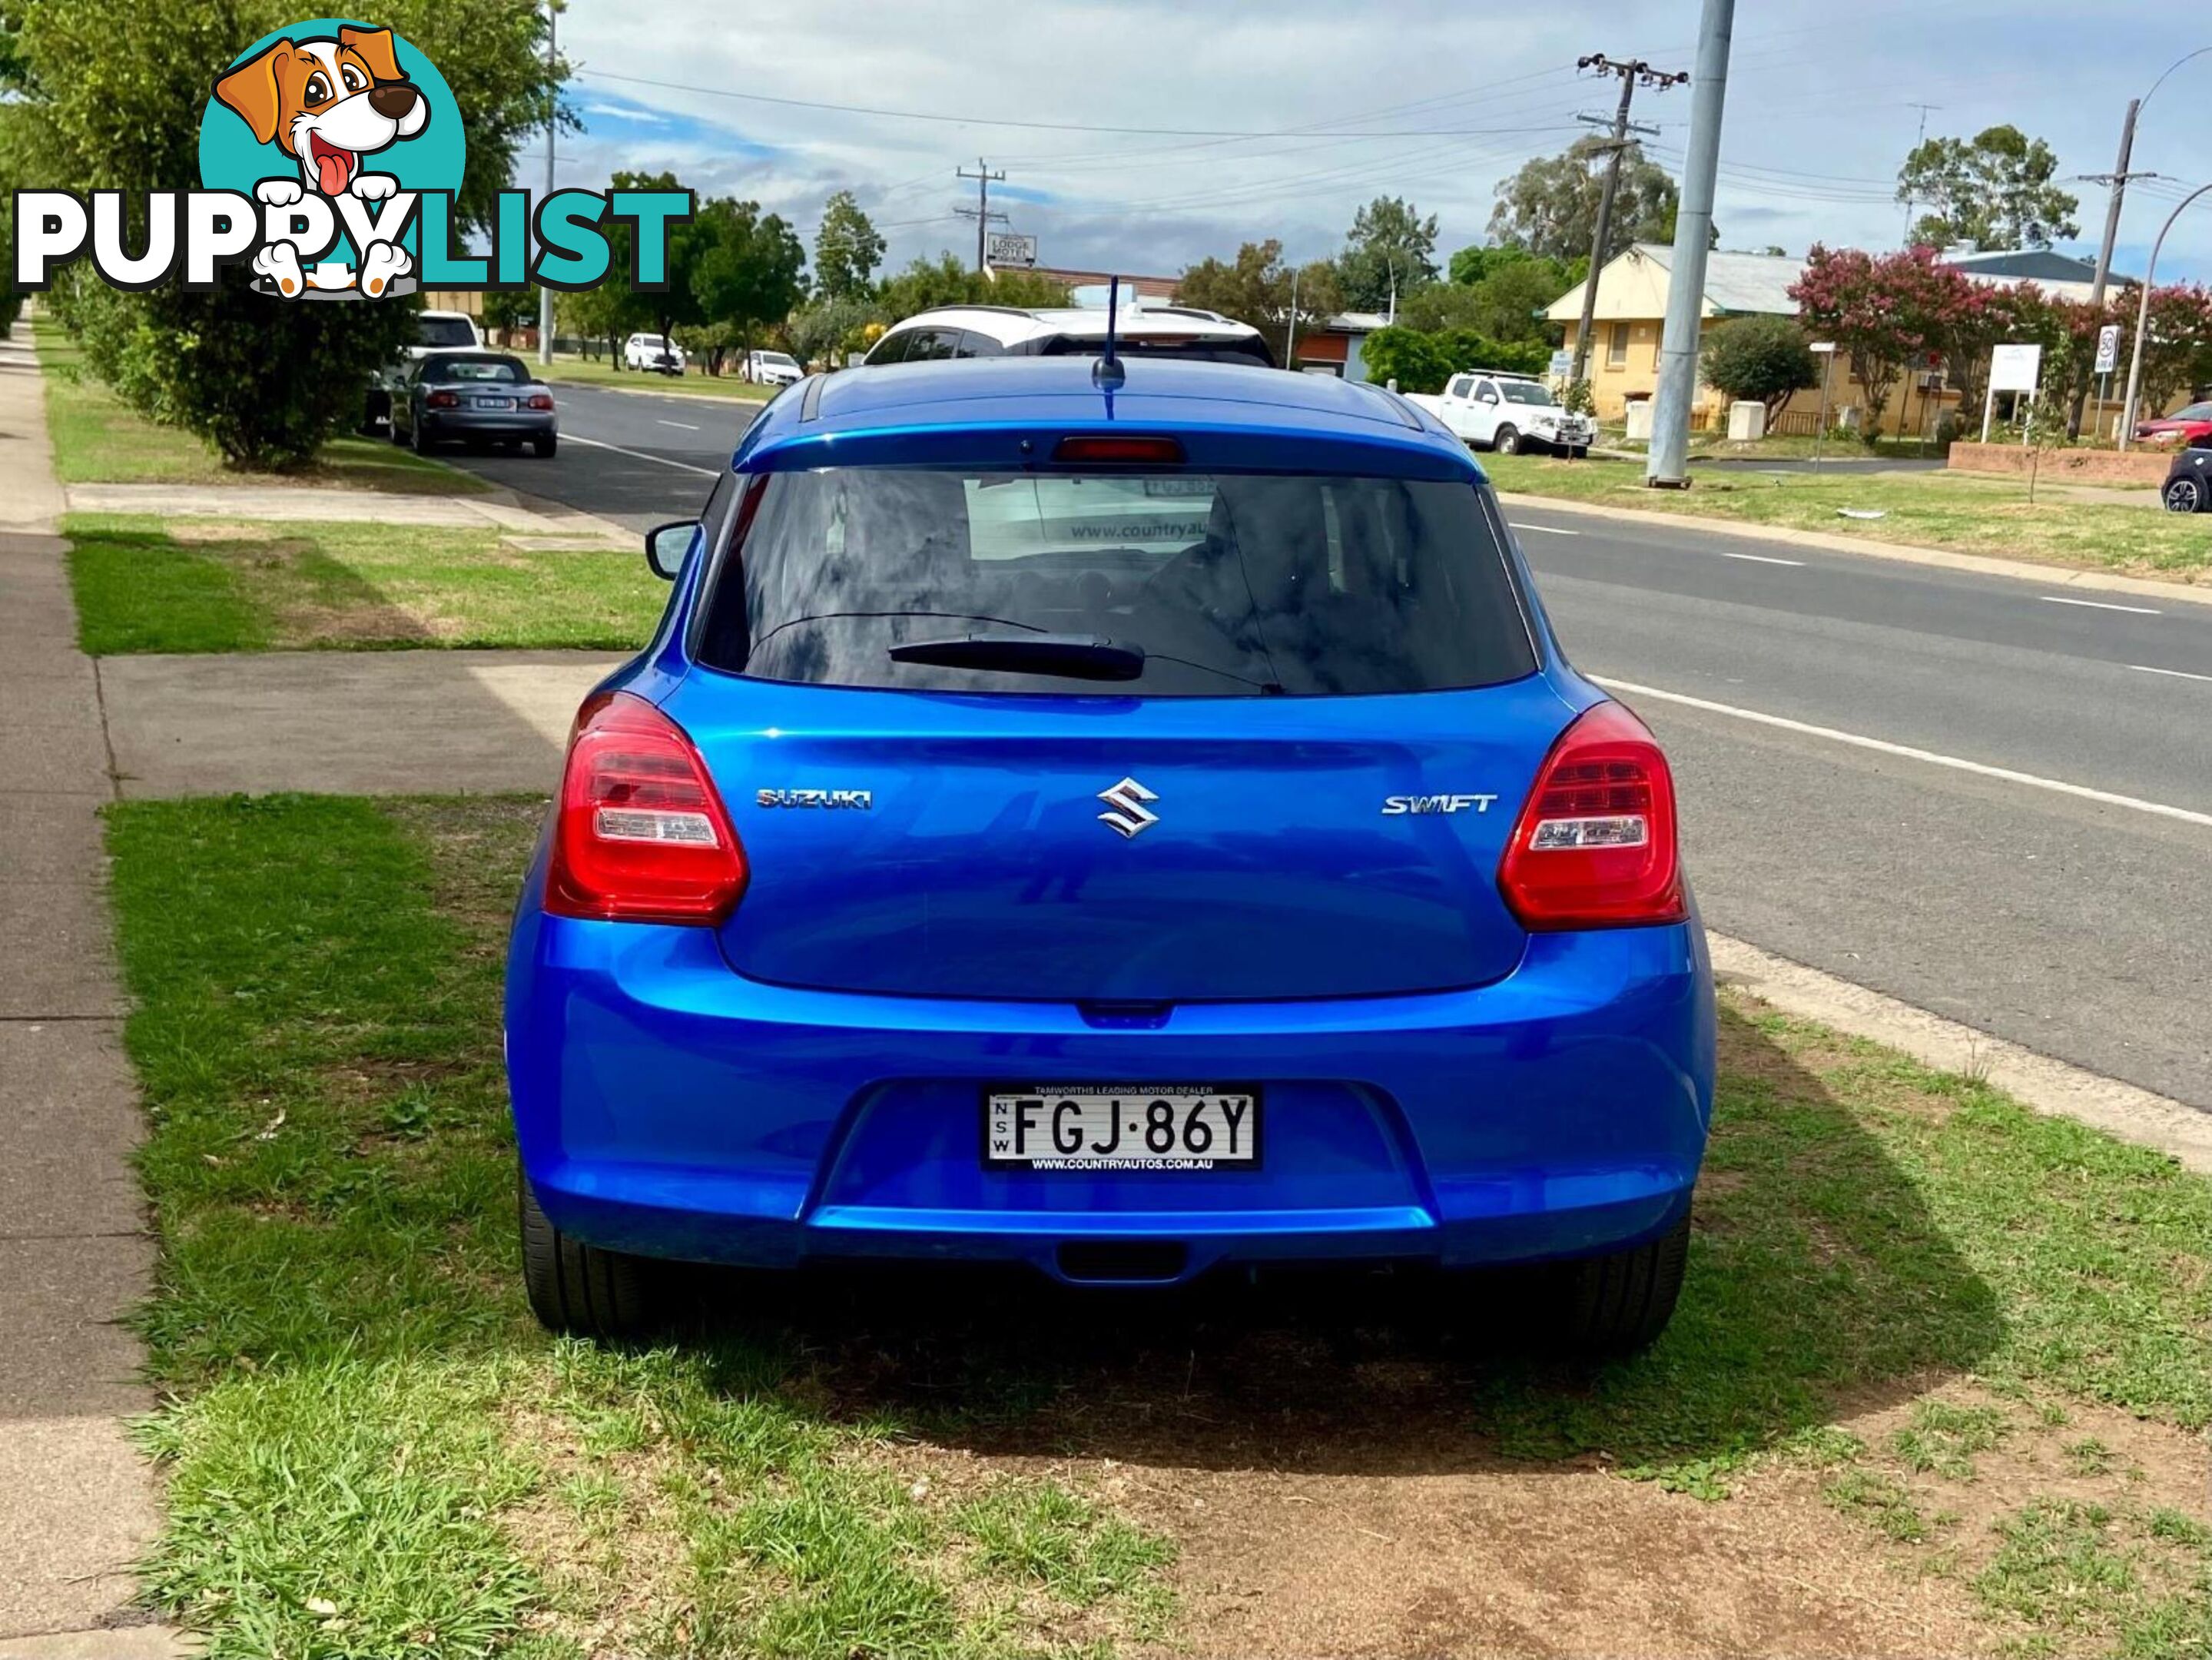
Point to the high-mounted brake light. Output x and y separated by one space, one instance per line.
1595 846
1125 451
641 835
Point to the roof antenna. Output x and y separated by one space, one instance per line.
1107 373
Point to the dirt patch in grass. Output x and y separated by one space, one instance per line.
1573 1562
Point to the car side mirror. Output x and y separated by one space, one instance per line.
666 545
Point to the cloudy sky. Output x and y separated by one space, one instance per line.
1144 134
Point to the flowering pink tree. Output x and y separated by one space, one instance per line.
1885 313
2177 345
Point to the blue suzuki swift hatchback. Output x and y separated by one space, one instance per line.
1125 830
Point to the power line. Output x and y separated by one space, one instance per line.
1051 126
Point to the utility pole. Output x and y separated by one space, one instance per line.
1633 74
552 120
1910 204
980 213
1667 464
2117 183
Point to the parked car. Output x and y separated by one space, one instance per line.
2188 487
1495 410
475 398
434 330
2183 426
771 368
653 352
1124 835
1141 330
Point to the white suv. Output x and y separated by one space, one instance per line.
652 352
1494 411
1141 330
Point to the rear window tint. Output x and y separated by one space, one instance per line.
445 331
1232 585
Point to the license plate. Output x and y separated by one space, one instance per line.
1142 1127
495 403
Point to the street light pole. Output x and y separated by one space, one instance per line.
552 114
1667 463
2142 317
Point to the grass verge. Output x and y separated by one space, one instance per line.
596 372
145 584
1901 1279
99 439
1967 514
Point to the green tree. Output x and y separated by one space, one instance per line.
1257 287
663 310
1990 192
266 382
1550 207
825 331
1422 360
926 284
1501 292
746 271
1391 249
600 316
847 248
1765 358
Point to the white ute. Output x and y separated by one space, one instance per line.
1508 413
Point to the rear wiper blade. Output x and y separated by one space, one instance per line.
1073 656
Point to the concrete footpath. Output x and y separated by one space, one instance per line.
77 1503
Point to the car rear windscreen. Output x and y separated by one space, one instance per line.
445 331
1231 585
1188 349
506 371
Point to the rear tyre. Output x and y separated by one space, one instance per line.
416 441
2184 496
1618 1303
1508 441
544 447
398 436
578 1288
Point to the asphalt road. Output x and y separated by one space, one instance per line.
1991 799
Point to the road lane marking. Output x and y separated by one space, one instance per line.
641 455
686 425
2056 785
1548 530
2100 604
2179 674
1761 558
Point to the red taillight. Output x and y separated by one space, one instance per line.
1125 451
1595 846
641 835
538 400
444 401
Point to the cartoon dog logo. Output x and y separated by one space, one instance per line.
328 102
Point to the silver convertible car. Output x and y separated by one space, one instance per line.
473 397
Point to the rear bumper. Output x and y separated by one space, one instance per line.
489 423
668 1107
